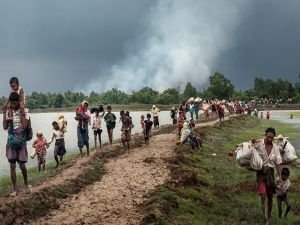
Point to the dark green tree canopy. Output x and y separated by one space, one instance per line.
219 87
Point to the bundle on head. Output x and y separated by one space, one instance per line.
100 108
94 110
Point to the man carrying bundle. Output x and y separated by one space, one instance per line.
270 154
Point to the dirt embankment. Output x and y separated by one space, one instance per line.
263 107
85 194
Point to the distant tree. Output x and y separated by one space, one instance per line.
114 96
220 87
146 96
189 91
168 96
58 102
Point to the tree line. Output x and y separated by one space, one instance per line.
219 87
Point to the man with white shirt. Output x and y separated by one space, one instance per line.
270 154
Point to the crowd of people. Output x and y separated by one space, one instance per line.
16 120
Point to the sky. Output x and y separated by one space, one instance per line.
96 45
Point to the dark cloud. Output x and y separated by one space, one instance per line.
59 45
45 42
266 44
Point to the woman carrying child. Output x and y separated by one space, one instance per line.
84 120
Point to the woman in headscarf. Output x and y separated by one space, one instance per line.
83 116
185 134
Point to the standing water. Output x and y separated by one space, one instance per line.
43 122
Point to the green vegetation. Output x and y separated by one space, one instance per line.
207 189
296 114
219 87
35 177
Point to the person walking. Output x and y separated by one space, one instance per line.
270 154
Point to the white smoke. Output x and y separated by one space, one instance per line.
180 44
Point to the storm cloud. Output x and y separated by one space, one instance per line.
96 45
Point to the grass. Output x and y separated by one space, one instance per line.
296 114
209 190
34 176
41 202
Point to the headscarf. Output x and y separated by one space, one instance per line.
84 103
185 132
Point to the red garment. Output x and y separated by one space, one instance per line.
80 109
264 189
40 145
142 124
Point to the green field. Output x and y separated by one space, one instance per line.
214 190
35 177
295 114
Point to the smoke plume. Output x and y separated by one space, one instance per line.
180 43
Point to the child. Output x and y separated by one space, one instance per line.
131 123
173 114
282 191
268 115
40 145
97 127
125 130
59 149
195 138
110 120
15 87
148 128
180 121
142 122
79 116
62 123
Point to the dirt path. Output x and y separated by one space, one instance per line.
128 180
126 183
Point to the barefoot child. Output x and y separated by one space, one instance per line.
125 130
142 122
97 127
180 120
16 88
148 128
282 191
110 120
59 149
40 145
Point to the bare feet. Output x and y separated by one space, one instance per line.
13 194
28 189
